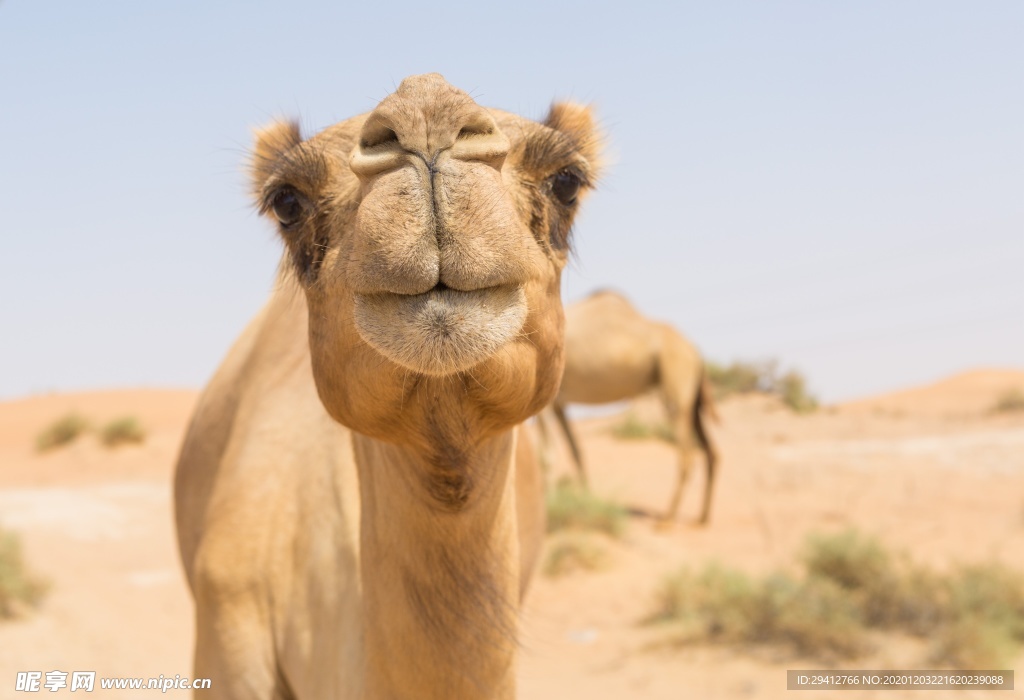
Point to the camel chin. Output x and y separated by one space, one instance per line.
443 331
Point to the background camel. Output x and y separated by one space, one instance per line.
614 353
355 515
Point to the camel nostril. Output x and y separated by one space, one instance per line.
480 139
379 136
471 131
379 148
479 123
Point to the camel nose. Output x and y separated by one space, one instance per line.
426 117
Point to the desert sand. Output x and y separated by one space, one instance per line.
929 470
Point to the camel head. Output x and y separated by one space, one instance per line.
429 237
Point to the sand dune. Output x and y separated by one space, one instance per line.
929 469
961 395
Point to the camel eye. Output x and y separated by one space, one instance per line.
566 187
287 207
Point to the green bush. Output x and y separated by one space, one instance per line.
813 617
61 432
792 389
973 644
122 431
851 585
18 588
739 377
571 507
1011 401
631 427
761 377
852 560
574 551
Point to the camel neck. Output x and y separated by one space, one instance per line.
440 578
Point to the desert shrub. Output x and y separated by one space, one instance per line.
632 427
122 431
18 588
61 432
891 593
819 618
571 507
973 644
814 617
851 585
792 389
762 377
574 551
985 618
1011 401
739 377
989 592
911 599
849 558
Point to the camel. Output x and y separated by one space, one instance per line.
614 353
358 512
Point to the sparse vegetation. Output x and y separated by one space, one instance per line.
122 431
1011 401
851 586
571 507
762 377
720 605
18 588
574 551
740 377
61 432
792 389
632 427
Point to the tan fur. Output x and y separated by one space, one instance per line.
356 515
614 353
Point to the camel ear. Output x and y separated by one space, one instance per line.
577 122
271 143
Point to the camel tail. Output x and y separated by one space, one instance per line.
706 398
704 407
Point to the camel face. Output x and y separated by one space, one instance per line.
429 237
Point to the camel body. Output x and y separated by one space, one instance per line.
280 548
614 353
358 508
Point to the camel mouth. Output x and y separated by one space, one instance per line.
444 330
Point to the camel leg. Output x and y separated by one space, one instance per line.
234 643
573 445
686 449
679 373
704 406
234 657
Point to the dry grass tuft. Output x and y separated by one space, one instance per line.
762 377
852 586
1011 401
571 507
632 427
740 377
574 551
19 589
61 432
122 431
719 605
792 389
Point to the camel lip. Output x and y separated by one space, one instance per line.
441 331
441 289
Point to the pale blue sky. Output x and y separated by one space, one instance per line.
838 185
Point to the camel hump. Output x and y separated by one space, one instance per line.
607 292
